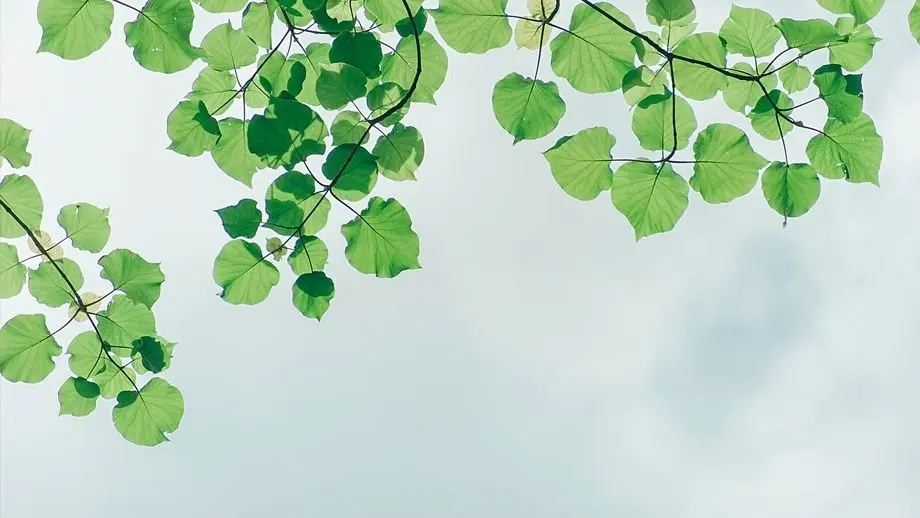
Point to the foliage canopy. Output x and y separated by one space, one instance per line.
297 88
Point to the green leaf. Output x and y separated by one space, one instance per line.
13 142
356 170
309 255
580 163
642 82
400 66
852 150
764 118
290 199
192 129
339 84
152 353
74 29
12 272
160 36
20 194
473 26
349 127
652 197
532 35
389 12
842 93
145 417
85 353
653 122
791 190
226 48
312 294
215 88
132 275
405 26
257 23
267 84
222 6
726 166
913 21
750 32
165 350
595 55
527 108
795 77
111 379
384 97
807 35
400 153
86 225
738 94
287 134
316 57
381 241
123 322
231 153
695 81
361 50
242 219
664 12
862 10
243 275
27 349
50 288
77 397
857 51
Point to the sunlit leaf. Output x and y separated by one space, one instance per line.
87 226
21 195
400 153
726 166
160 36
13 142
791 190
527 108
242 219
473 26
77 397
74 29
12 272
651 196
381 241
242 273
580 163
312 294
145 417
131 274
27 349
852 150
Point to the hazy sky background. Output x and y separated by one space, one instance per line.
541 364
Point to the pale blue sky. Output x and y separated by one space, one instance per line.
541 364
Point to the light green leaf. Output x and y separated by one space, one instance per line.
399 67
12 272
257 23
132 275
48 248
290 199
382 241
531 35
738 94
385 97
913 21
349 127
695 81
795 77
86 225
267 85
339 84
580 163
400 153
726 166
842 93
652 197
309 255
50 288
215 88
317 55
807 35
764 119
13 142
527 108
192 129
27 349
287 134
667 12
20 194
226 6
312 294
77 397
86 355
388 12
145 417
473 26
160 36
226 48
353 169
862 10
123 322
231 153
750 32
642 82
111 379
857 51
595 54
653 122
852 150
242 219
243 275
791 190
74 29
